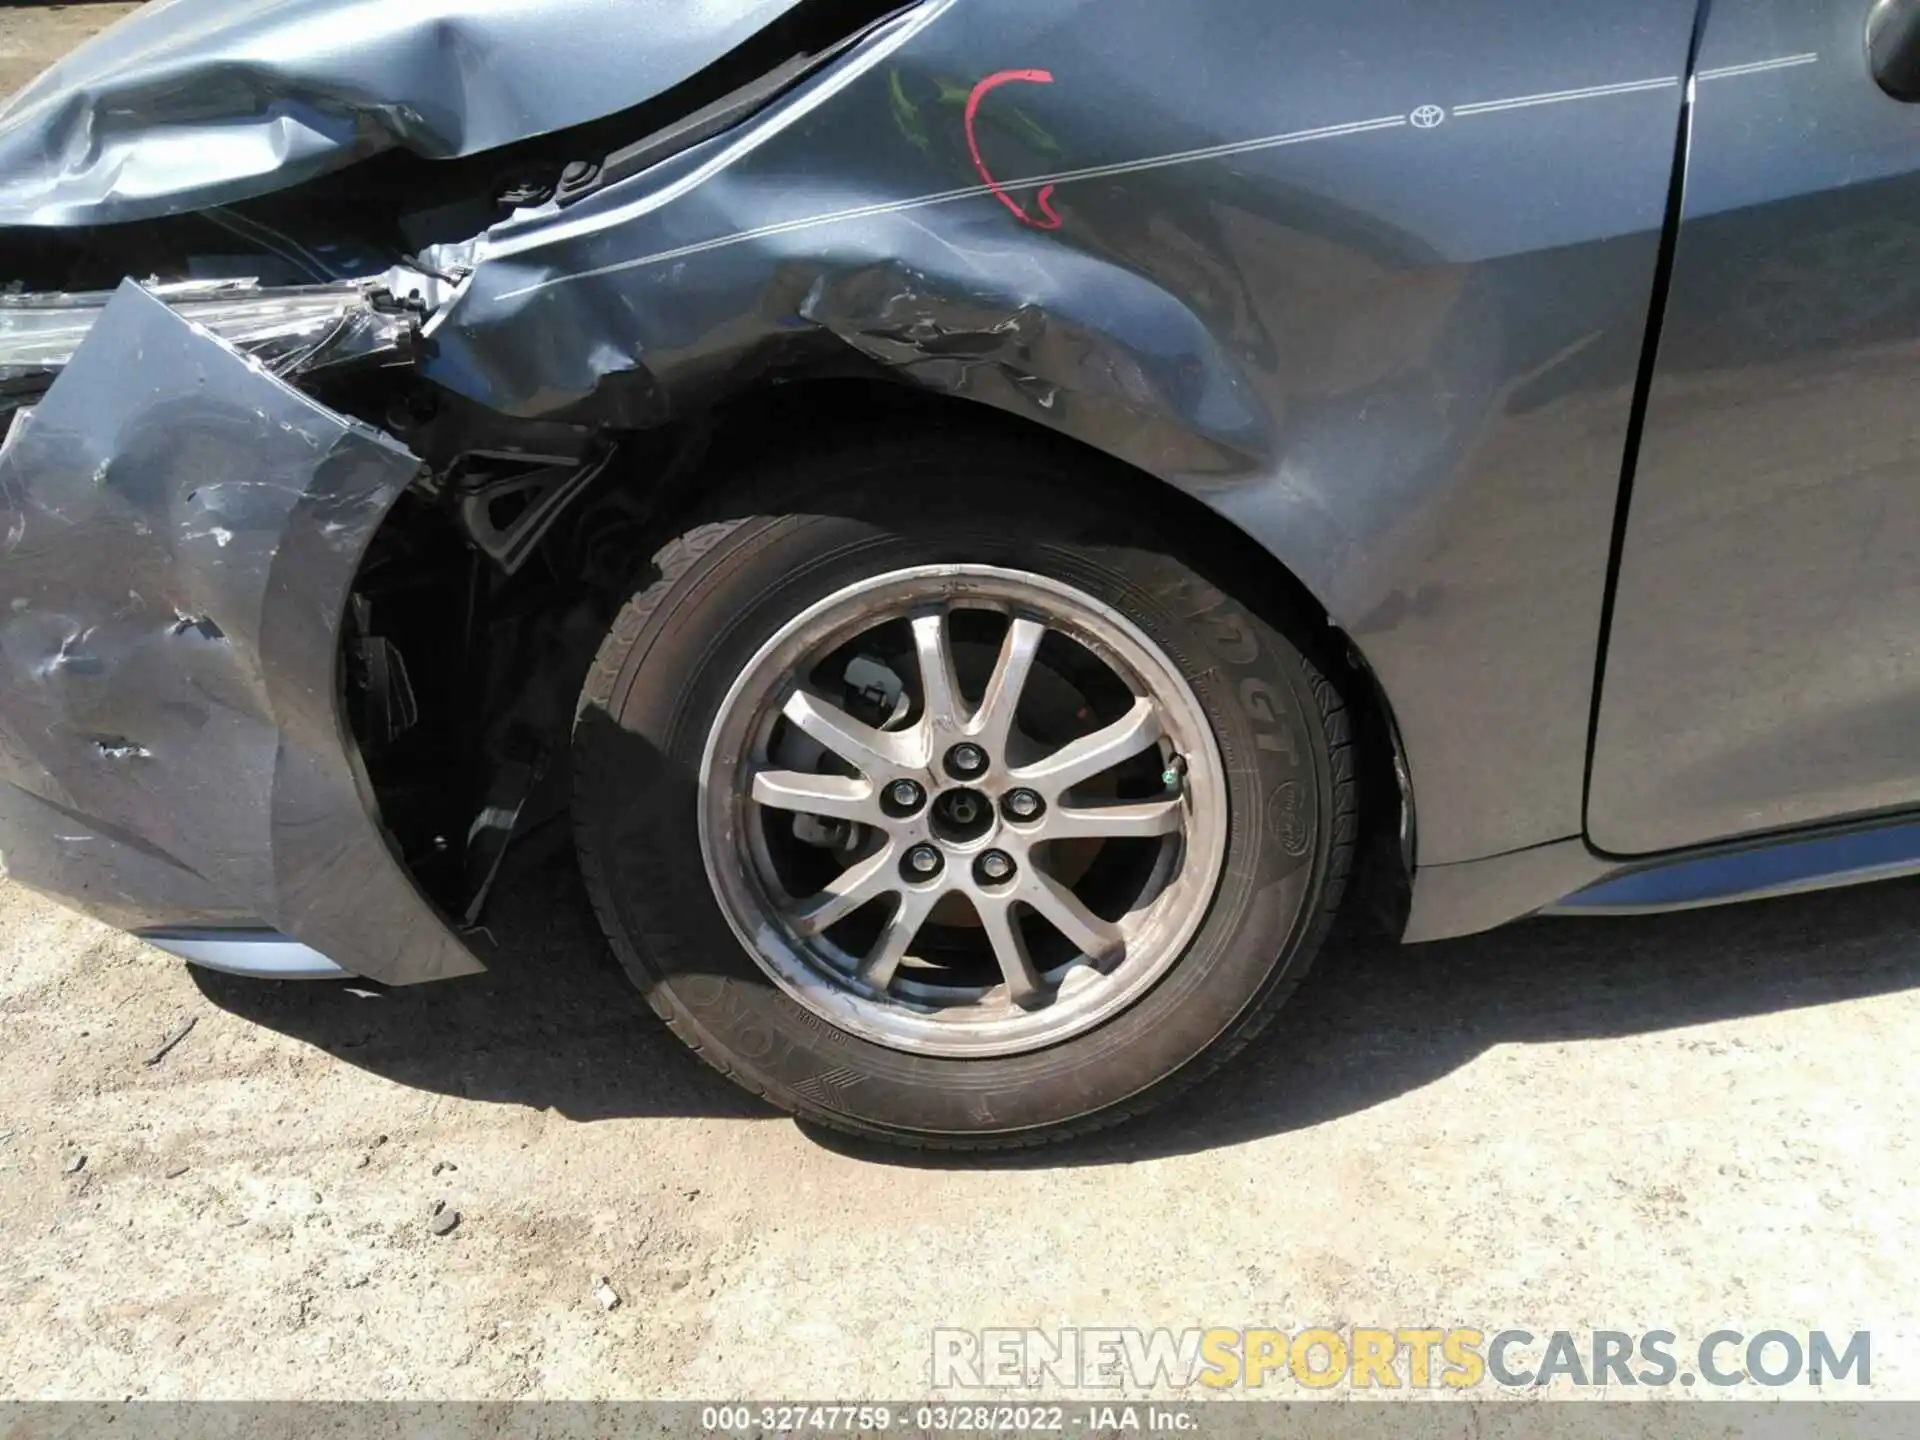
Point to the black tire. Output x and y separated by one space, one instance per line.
800 531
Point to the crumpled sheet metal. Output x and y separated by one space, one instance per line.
1399 355
178 532
190 103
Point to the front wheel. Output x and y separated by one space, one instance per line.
935 802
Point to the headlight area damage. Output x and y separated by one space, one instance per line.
178 532
290 635
293 331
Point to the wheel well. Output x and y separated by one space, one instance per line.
488 664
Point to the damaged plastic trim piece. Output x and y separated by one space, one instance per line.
257 954
174 740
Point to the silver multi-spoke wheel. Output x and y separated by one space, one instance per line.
963 810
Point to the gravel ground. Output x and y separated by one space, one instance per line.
1683 1122
32 36
1686 1122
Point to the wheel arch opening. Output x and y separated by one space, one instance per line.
468 642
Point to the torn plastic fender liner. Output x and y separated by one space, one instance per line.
179 530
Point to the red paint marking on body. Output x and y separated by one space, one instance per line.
980 91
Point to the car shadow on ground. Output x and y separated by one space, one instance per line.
554 1025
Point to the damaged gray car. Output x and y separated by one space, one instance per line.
993 523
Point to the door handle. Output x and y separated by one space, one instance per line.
1893 47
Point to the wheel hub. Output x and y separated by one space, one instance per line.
963 818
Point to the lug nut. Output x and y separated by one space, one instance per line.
1024 805
966 760
995 866
922 862
905 794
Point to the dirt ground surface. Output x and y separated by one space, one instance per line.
32 37
1691 1122
1687 1122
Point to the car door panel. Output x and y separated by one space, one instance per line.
1763 667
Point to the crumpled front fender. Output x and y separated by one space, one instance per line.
1246 249
179 530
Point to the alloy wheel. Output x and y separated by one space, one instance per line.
963 810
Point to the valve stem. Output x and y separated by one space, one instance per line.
1174 777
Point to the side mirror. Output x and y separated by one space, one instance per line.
1893 47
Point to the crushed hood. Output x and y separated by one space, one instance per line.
189 103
